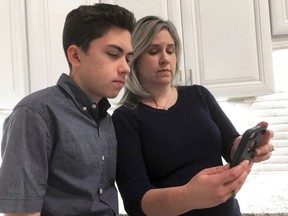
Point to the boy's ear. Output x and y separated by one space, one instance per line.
73 55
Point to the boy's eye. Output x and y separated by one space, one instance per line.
113 54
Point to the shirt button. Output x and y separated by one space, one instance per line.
100 191
94 106
103 157
84 108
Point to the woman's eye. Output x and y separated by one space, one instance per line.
153 52
170 51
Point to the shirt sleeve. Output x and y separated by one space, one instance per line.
131 174
24 169
227 129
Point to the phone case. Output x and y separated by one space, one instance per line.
251 139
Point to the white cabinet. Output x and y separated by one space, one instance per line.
279 23
13 57
279 17
227 46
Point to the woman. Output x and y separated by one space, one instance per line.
171 138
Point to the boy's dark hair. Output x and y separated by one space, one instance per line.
89 22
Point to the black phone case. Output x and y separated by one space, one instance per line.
251 139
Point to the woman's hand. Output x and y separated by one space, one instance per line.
213 186
264 151
209 188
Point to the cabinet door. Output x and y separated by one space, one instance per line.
13 58
227 46
279 17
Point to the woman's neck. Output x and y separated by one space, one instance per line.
163 97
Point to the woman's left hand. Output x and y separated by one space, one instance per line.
264 151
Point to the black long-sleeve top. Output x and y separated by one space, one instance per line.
166 148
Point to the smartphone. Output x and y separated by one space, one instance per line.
251 139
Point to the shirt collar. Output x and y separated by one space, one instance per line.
81 99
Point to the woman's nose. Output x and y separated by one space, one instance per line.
164 59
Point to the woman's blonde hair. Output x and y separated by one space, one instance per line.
142 36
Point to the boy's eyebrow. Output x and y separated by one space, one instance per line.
120 49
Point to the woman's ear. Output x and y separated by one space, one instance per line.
73 56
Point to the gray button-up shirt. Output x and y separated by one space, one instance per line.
59 154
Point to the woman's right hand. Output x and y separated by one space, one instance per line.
213 186
209 188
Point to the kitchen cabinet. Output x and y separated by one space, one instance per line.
13 58
279 17
227 46
279 23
